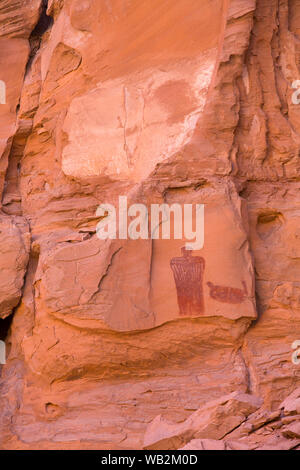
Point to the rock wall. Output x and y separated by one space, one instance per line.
163 102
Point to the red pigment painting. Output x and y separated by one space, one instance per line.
230 295
188 275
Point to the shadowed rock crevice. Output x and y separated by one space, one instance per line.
11 197
5 324
44 23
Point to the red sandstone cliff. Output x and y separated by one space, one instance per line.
186 102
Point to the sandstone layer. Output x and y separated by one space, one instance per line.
164 102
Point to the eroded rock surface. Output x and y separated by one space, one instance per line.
165 103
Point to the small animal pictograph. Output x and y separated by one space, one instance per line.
230 295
